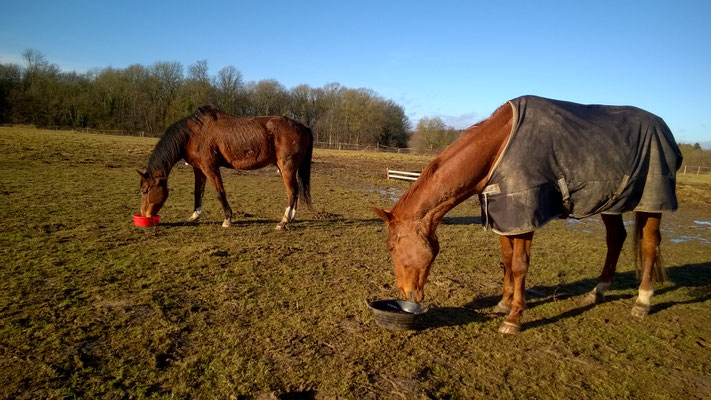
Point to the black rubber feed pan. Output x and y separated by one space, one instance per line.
397 315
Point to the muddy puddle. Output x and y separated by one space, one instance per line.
675 233
390 193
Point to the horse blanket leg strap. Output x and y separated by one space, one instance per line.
565 194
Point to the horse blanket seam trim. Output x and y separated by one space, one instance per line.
514 125
610 158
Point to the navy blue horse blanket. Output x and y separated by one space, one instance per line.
565 159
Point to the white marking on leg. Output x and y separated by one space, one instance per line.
602 287
644 296
597 295
226 223
195 215
288 215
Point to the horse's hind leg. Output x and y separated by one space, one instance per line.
615 238
200 180
504 306
288 174
216 180
648 224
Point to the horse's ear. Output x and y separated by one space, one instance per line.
142 174
383 214
158 175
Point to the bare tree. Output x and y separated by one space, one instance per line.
229 85
432 134
167 77
270 97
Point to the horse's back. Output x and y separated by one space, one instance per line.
248 142
572 159
261 127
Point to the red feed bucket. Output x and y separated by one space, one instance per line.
138 220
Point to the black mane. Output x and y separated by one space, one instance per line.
171 146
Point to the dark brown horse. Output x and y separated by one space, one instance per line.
209 139
533 160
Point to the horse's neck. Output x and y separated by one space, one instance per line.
442 185
459 172
161 166
170 148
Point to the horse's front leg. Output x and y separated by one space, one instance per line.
504 306
200 180
519 267
216 180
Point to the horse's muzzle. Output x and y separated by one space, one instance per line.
415 296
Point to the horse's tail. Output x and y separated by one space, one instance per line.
304 174
659 273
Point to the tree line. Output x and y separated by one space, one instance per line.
150 98
694 155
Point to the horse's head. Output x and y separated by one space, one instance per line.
413 246
154 192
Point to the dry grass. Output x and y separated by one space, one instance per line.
93 307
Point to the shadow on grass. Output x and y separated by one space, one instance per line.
185 224
329 222
694 276
476 220
315 224
451 316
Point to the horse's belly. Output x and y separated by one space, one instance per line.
249 161
247 155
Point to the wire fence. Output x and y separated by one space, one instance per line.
694 170
362 147
118 132
373 147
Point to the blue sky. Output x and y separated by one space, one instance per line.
456 60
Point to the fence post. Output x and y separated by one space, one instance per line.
698 170
684 170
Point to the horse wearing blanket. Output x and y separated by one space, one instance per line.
534 160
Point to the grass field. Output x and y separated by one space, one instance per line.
93 307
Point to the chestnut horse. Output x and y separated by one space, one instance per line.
467 166
209 139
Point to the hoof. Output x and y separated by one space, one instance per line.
226 223
640 311
594 297
507 328
280 227
502 308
